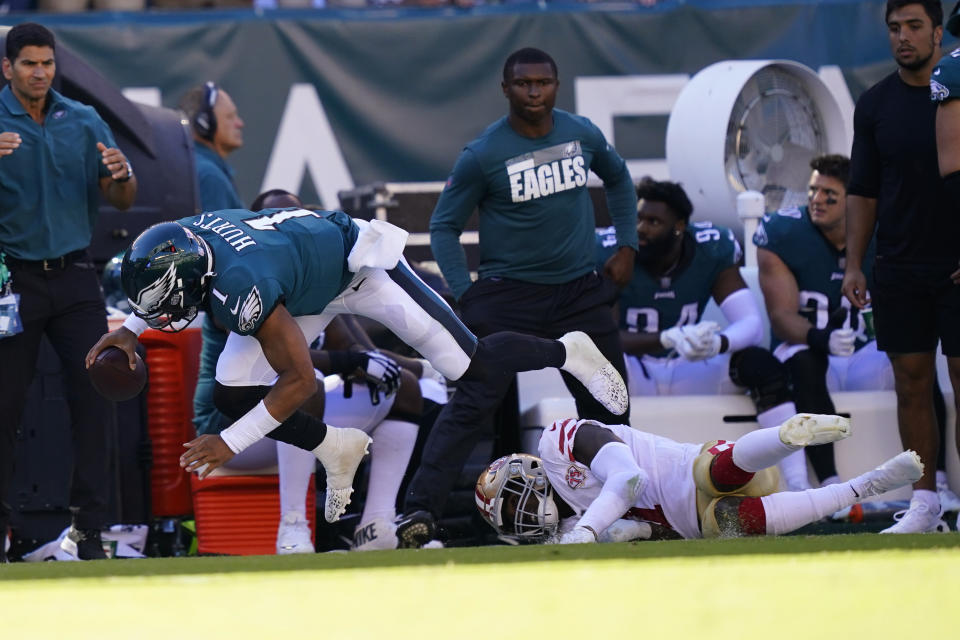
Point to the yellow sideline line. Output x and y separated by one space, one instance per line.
893 593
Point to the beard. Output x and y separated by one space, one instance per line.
655 250
919 63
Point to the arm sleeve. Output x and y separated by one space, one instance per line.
623 480
745 326
465 187
620 192
864 158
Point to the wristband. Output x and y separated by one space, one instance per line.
819 340
250 428
136 324
724 343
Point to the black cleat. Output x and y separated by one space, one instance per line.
415 530
84 544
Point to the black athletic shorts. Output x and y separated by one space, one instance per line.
914 307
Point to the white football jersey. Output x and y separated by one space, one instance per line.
669 497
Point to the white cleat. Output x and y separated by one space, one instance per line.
585 363
375 534
805 429
902 469
949 501
340 454
294 535
918 519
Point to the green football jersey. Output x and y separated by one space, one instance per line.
815 263
291 256
650 304
945 79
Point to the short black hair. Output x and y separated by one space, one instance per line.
669 193
833 165
260 201
28 34
933 8
527 55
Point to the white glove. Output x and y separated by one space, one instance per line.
703 340
670 337
579 535
626 530
693 342
842 342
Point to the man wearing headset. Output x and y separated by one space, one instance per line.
217 132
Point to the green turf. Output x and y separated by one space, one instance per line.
477 556
789 588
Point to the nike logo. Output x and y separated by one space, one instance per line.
357 288
854 491
236 307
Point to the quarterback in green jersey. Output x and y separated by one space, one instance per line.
670 349
275 276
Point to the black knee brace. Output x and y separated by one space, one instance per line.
808 377
301 429
763 375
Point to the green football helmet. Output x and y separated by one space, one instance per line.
113 293
164 274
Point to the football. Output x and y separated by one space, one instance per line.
112 376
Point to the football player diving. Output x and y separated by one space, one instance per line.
612 483
274 276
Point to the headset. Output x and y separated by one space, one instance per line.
204 121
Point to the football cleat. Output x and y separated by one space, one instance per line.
294 535
917 519
415 530
949 501
340 454
375 534
585 363
806 429
83 544
902 469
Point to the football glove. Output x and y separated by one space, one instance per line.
693 342
834 339
380 373
842 342
579 535
626 530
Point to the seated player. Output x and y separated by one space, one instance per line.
669 349
801 254
592 476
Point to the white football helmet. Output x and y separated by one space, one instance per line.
515 497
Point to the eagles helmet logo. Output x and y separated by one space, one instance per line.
151 296
250 311
938 92
760 236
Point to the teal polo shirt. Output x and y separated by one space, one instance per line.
50 185
215 181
